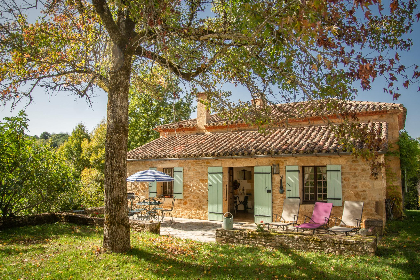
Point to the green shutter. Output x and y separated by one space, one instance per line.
178 182
152 186
292 181
334 190
262 194
215 194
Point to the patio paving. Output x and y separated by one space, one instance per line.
199 230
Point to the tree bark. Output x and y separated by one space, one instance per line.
116 226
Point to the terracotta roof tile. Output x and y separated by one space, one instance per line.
282 141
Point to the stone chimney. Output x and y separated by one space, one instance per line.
257 102
203 115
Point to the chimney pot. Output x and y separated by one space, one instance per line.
257 102
203 115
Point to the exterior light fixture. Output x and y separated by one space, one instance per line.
275 169
281 185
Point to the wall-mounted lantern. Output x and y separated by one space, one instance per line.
281 185
275 169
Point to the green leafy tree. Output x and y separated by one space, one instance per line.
283 49
92 178
94 147
72 149
153 103
91 192
44 135
410 167
56 140
34 179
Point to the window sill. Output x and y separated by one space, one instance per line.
313 202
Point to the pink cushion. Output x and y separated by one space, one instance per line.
309 225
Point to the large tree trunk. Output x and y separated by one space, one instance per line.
116 227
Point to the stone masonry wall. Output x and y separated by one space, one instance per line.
329 244
357 183
79 219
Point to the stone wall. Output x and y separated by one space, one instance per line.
79 219
140 226
357 183
329 244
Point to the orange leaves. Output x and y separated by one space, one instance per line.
324 41
365 72
394 6
392 77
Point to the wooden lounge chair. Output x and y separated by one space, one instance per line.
289 215
320 217
351 219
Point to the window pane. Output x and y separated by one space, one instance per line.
322 169
314 179
309 170
167 187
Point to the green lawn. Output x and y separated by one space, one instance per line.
66 251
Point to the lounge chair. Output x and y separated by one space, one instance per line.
351 219
320 217
289 215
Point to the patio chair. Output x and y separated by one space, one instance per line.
351 219
131 197
168 211
320 217
289 215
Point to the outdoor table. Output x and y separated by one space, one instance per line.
152 208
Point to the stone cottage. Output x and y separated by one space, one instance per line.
228 166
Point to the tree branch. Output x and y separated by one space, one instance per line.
175 68
103 11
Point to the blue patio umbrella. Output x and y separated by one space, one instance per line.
150 176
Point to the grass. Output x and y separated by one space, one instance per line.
67 251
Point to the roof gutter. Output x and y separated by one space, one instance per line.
253 156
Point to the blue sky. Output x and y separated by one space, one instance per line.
62 112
